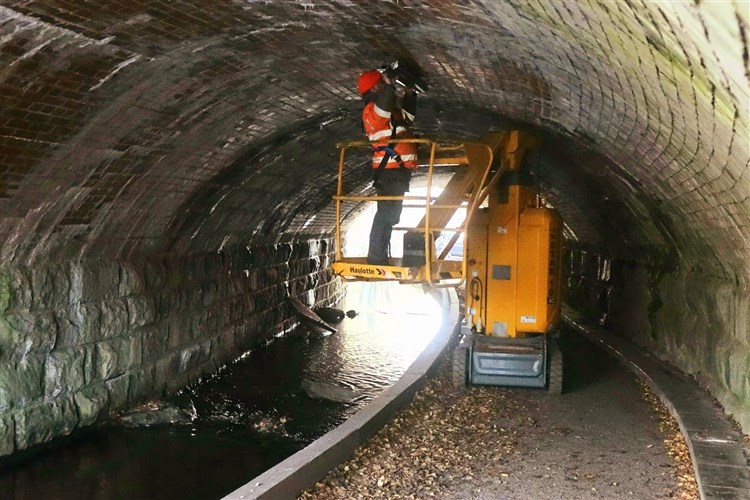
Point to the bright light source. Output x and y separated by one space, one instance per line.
406 315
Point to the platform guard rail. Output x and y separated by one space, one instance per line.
464 190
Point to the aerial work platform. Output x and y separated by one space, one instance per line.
511 257
477 167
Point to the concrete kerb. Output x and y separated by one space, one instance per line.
715 444
303 469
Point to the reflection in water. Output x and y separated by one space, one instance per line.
395 324
251 415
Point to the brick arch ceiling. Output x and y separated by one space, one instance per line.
139 127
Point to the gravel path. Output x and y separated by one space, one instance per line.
606 437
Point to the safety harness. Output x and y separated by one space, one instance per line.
390 152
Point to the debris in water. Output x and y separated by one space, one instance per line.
309 319
329 314
331 392
157 413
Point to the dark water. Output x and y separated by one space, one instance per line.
250 416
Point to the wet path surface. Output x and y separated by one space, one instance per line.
603 438
250 416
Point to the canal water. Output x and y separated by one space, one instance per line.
250 416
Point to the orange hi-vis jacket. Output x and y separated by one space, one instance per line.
377 124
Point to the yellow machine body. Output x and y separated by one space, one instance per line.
512 258
514 253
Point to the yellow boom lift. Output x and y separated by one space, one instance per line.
510 271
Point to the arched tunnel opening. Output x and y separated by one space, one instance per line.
166 173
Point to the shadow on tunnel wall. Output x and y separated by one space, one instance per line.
693 320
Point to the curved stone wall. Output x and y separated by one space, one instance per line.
79 340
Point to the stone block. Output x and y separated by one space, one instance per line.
142 383
68 332
738 365
130 281
21 321
118 388
89 364
154 275
155 341
115 356
44 332
141 310
7 434
107 358
190 357
165 305
284 251
10 340
166 370
15 286
86 321
64 372
134 350
90 402
114 318
6 291
42 422
50 286
223 346
23 331
21 382
101 280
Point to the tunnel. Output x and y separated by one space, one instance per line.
167 171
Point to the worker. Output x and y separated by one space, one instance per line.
388 114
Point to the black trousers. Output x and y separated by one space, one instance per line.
392 182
